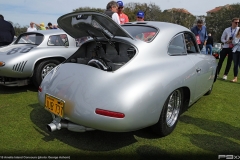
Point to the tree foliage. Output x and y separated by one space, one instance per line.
178 17
88 9
218 21
215 23
18 29
151 11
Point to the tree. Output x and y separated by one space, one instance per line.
178 16
89 9
218 21
152 12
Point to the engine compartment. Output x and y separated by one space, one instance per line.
104 55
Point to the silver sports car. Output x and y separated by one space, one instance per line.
127 77
32 55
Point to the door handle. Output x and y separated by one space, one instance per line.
198 70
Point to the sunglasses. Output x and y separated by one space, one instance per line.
236 22
120 7
140 17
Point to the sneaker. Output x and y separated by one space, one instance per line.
225 77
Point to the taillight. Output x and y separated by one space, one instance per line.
2 64
109 113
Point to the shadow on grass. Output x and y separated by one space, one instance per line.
220 128
11 90
152 152
228 81
216 144
148 151
91 140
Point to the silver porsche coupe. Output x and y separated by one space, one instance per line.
32 55
129 77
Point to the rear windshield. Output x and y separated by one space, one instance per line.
144 33
29 38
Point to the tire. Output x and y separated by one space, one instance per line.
209 91
169 118
42 69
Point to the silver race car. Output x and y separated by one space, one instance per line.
32 55
127 77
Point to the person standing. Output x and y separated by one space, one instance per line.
112 9
6 32
209 44
200 31
40 26
236 55
31 28
55 26
50 26
122 17
140 16
145 36
226 38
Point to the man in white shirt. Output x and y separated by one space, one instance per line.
112 9
227 37
31 28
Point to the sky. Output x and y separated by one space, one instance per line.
25 11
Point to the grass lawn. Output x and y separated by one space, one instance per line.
209 128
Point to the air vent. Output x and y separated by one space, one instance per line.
141 22
19 66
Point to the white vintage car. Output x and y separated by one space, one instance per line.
32 55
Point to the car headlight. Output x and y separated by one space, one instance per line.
2 64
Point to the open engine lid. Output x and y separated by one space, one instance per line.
90 23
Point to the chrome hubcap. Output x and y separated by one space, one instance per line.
173 109
47 69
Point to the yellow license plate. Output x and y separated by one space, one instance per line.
54 105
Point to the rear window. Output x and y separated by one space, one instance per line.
144 33
58 40
29 38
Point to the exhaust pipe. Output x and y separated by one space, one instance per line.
70 126
51 127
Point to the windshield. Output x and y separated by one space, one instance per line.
144 33
29 38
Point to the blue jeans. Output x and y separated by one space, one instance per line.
236 61
209 46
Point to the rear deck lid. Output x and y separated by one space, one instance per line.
89 23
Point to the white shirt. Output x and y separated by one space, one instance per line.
115 17
228 32
31 29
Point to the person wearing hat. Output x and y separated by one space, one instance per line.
111 11
40 26
6 32
146 36
122 17
140 16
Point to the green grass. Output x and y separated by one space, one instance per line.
210 127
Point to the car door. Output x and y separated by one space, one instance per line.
202 66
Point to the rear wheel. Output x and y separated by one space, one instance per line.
42 69
170 114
